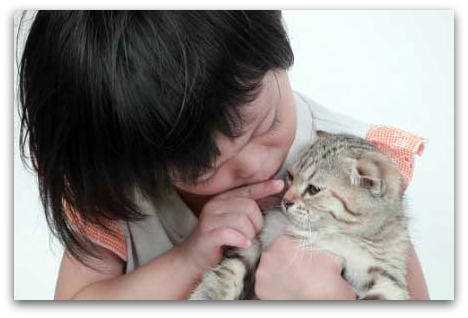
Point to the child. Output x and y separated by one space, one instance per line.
156 135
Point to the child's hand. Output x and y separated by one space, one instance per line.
287 272
232 218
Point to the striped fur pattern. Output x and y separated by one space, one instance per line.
343 197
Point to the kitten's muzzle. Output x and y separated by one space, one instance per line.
287 203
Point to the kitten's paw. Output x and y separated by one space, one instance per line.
224 282
386 290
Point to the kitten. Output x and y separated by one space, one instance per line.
343 197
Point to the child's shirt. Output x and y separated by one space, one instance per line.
170 221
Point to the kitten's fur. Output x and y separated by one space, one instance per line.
344 197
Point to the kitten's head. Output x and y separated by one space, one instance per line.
342 182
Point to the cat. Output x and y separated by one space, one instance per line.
343 197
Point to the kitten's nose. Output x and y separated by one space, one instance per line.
287 203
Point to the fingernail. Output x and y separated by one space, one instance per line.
248 243
278 184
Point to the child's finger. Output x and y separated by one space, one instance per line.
255 191
242 207
230 237
236 221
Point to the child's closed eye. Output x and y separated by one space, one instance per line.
274 128
276 124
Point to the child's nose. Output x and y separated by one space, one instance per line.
246 168
246 174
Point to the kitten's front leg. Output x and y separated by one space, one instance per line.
226 281
384 285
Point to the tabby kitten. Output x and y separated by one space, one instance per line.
343 197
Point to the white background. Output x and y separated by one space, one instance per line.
388 67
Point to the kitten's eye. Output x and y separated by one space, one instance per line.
311 189
289 176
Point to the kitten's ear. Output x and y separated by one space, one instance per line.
375 172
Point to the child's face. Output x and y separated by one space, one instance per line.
258 154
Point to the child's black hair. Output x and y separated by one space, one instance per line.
116 100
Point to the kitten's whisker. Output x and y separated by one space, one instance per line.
294 256
275 206
310 231
302 221
320 208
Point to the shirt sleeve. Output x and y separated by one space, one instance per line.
112 240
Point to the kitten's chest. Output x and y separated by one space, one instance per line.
357 257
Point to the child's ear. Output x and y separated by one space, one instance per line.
374 172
